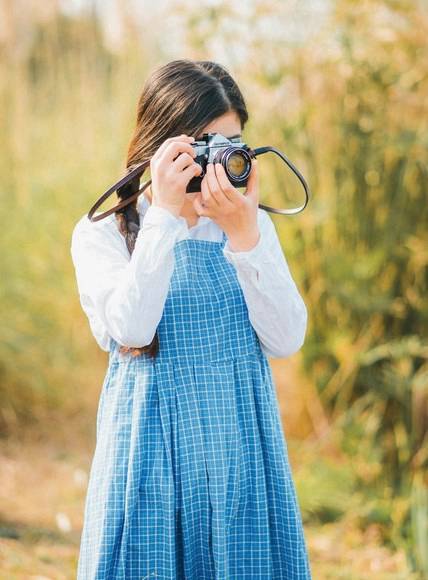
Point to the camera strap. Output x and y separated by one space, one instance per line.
135 171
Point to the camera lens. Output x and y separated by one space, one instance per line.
236 164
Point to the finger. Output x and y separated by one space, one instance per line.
180 138
207 198
183 161
191 171
230 193
173 150
253 181
162 147
213 185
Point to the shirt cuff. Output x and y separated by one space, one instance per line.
253 257
249 264
165 223
157 215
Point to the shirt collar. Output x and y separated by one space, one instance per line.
143 203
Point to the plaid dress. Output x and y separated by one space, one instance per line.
190 479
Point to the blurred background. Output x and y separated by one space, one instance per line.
341 88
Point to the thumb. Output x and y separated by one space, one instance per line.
252 190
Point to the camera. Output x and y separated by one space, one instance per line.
234 156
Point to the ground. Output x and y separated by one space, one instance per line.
42 492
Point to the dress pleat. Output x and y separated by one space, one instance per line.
190 478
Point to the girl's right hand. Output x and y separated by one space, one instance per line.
171 168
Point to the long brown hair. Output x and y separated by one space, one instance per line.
180 97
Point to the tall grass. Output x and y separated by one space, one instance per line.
68 108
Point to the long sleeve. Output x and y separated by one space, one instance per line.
276 309
124 296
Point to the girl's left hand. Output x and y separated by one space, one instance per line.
235 213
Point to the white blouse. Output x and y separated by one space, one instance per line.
123 296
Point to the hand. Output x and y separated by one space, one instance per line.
171 168
234 212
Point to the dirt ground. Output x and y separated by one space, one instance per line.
42 493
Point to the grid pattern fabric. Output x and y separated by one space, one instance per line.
190 479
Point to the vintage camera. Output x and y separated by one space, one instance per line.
234 155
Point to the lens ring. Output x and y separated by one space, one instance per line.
230 153
236 164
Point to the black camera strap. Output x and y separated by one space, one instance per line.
294 210
135 171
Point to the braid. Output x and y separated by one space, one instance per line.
128 223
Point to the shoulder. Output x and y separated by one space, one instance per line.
84 227
103 233
107 227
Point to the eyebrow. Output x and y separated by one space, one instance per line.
233 136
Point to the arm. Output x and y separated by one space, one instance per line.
127 293
276 309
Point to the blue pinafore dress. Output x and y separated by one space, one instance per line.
190 478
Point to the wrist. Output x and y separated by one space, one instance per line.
244 242
173 209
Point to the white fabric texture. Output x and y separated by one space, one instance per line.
123 296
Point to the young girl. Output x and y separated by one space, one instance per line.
189 294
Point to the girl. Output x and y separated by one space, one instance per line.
189 294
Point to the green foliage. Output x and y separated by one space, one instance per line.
327 490
63 141
348 106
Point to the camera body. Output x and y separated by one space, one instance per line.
234 156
